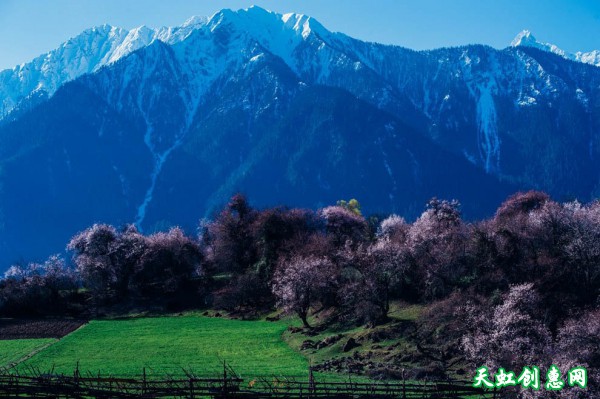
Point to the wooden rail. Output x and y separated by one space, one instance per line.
77 387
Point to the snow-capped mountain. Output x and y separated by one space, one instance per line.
280 108
85 53
525 38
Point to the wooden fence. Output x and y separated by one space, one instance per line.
228 386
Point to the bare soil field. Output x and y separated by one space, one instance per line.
37 328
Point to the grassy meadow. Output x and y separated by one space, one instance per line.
167 345
16 349
174 345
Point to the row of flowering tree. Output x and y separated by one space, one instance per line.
247 258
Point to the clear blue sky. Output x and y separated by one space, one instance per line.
31 27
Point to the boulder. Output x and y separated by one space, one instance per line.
350 344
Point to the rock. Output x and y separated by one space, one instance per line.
218 315
308 344
350 344
329 341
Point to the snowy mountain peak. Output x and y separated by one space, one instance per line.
526 39
103 45
262 23
85 53
303 24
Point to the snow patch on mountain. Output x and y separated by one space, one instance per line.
526 39
482 86
591 57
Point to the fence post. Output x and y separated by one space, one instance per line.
224 379
144 381
403 385
76 376
311 381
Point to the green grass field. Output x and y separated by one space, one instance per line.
165 345
15 349
171 344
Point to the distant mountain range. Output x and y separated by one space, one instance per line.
160 127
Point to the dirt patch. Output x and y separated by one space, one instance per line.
24 329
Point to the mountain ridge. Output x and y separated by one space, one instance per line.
278 107
526 39
115 42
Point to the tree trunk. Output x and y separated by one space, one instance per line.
303 317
